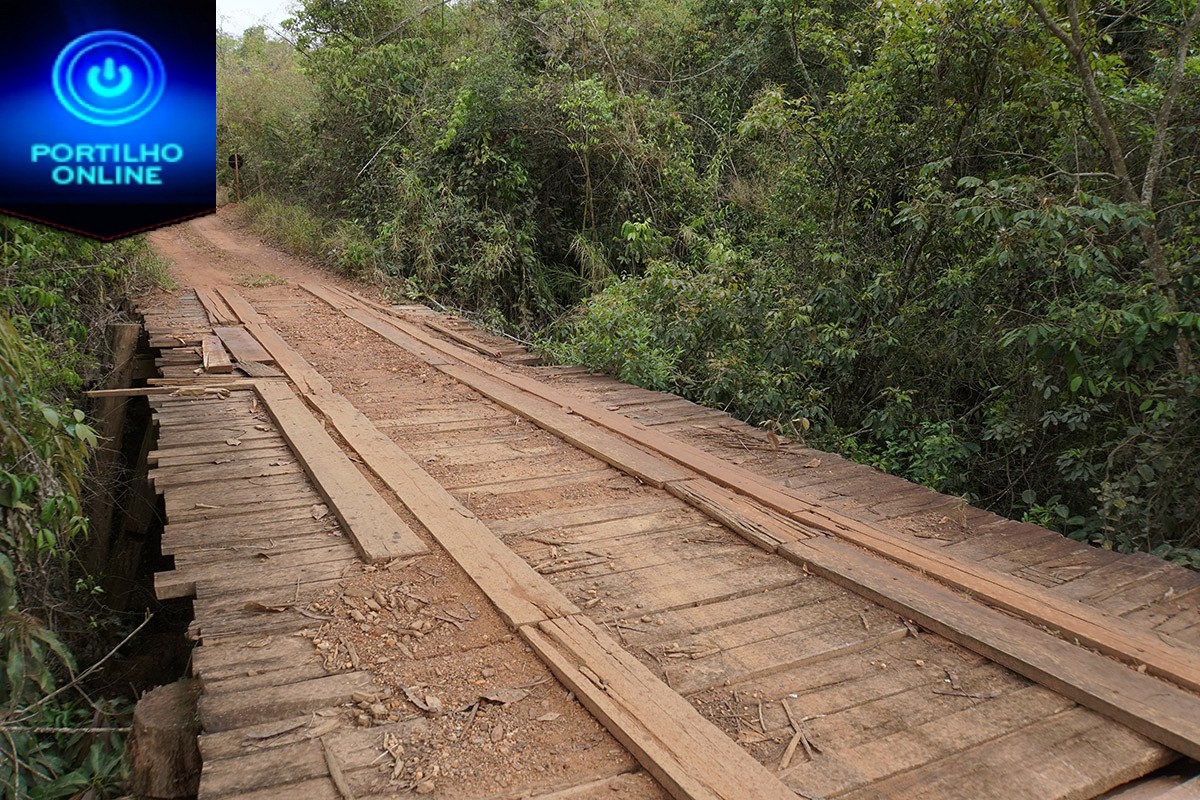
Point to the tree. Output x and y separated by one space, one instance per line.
1178 33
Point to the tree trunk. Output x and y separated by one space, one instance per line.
164 756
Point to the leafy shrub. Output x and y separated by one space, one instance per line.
56 294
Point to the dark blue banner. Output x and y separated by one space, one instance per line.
108 113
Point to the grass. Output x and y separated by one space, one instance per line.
259 280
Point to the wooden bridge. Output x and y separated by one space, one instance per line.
421 563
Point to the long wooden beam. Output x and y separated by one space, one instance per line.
1146 704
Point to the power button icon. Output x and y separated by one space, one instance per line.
108 78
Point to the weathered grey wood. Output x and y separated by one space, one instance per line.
689 756
377 531
214 357
242 344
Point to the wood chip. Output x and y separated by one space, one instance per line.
271 734
254 605
416 699
335 772
233 442
328 726
319 511
506 696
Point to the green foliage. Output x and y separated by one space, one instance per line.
892 228
57 292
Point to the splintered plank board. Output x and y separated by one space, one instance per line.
689 756
214 355
377 531
243 346
257 369
214 306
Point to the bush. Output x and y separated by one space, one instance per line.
57 292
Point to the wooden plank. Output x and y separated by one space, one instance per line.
519 594
1148 705
238 709
215 473
242 344
754 523
218 313
258 653
689 756
1091 627
257 370
377 531
1186 791
215 360
1070 755
812 643
216 389
463 340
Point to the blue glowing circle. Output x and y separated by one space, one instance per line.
86 67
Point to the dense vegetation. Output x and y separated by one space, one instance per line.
57 291
956 239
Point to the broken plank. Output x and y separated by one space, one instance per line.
377 531
256 369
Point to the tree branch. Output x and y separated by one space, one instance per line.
1162 120
1074 43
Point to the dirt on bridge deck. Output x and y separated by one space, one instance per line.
324 676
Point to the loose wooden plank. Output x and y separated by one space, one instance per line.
1148 705
242 344
377 531
215 360
689 756
181 390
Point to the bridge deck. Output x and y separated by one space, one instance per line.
580 613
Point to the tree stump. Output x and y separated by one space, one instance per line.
164 756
